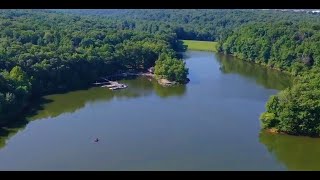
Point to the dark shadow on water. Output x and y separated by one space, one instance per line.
10 130
13 126
66 90
185 55
36 105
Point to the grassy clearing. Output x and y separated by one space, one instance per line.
201 45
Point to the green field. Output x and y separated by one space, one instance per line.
201 45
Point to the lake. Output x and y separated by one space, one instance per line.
212 123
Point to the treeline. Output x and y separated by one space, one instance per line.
193 24
286 45
296 110
171 69
43 52
292 47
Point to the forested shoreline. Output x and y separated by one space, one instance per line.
287 46
45 51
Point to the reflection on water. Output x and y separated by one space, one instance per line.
262 75
209 124
9 131
54 105
296 153
70 102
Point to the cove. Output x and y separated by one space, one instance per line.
211 123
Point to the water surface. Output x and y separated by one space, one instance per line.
209 124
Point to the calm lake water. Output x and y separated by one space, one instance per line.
212 123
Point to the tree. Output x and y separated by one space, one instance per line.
171 68
296 110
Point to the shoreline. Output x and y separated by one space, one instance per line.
162 81
275 131
259 63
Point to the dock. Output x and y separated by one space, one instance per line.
112 85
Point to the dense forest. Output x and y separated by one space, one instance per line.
193 24
43 52
288 46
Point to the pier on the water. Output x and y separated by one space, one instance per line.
112 85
